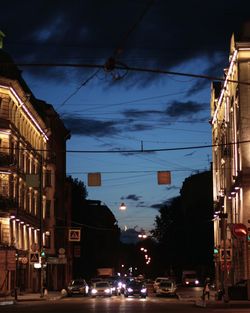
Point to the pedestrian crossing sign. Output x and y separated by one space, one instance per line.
74 234
225 253
34 258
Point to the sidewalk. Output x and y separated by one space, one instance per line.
52 295
232 304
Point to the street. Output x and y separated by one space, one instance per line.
120 304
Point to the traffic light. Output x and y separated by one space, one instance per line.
216 250
43 255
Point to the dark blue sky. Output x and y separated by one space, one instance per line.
126 110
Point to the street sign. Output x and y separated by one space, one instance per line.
61 251
228 254
34 258
24 260
74 234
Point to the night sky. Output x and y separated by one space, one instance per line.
116 115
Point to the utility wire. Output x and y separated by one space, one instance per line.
75 92
134 69
132 28
136 150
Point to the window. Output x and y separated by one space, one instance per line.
48 178
47 213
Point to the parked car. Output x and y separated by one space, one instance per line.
238 291
77 286
101 288
135 288
157 282
166 288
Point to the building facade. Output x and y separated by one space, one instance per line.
32 181
230 121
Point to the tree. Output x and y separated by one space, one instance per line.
184 228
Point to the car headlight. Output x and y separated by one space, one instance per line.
130 289
107 290
196 282
93 291
144 290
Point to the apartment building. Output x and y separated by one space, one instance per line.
32 181
230 121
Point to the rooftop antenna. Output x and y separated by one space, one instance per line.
2 35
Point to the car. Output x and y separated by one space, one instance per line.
166 288
191 280
77 286
238 291
135 288
157 282
101 288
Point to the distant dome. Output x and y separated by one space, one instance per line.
8 67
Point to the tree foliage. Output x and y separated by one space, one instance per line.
184 228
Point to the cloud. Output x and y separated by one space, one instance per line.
156 206
213 70
134 113
184 109
189 154
172 187
89 31
92 127
173 110
88 127
131 197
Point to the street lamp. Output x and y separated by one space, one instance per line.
122 206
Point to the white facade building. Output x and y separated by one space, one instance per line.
230 120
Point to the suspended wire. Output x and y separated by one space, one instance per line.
132 28
116 53
133 101
135 150
134 69
76 91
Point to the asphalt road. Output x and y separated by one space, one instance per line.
120 304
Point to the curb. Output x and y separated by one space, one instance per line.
9 302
